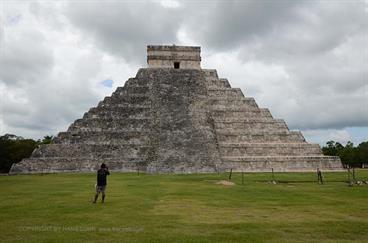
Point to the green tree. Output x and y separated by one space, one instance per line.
333 148
363 152
349 155
47 139
13 149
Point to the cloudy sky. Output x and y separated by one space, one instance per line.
307 61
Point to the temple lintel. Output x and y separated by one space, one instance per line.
177 57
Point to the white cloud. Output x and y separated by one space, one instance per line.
322 136
304 60
169 3
50 77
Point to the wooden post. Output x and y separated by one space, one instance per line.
242 177
273 176
138 170
354 179
231 172
349 177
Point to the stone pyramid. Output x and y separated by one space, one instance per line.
176 117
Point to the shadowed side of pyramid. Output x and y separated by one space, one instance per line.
114 132
176 117
159 121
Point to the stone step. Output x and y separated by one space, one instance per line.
280 163
116 111
127 99
140 137
123 106
128 127
269 149
136 82
80 164
246 119
260 113
254 132
286 137
217 83
109 124
92 151
128 95
246 125
118 116
132 89
99 131
225 102
237 108
225 92
210 73
244 131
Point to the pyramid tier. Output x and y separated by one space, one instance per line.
92 151
260 137
141 99
77 164
281 163
131 89
226 102
236 107
109 124
257 124
210 73
213 83
128 94
225 92
135 82
245 119
121 105
104 137
252 131
270 149
118 111
242 113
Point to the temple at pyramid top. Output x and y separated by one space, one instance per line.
177 57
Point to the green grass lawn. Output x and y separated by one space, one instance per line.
184 208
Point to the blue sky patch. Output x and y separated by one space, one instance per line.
14 19
107 83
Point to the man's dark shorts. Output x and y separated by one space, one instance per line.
100 189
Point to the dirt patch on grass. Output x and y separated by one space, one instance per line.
225 183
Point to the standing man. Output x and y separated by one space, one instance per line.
102 173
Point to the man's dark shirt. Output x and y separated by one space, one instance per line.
101 177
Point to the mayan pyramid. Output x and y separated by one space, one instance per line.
176 117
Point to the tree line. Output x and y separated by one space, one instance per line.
14 148
350 155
